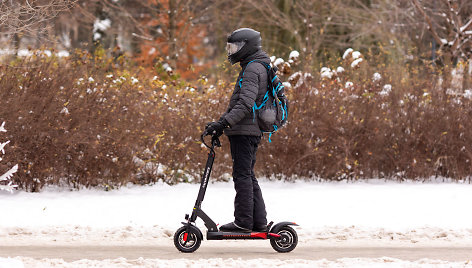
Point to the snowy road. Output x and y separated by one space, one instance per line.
245 251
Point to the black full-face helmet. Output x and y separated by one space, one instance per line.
242 43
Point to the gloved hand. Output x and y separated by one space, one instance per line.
215 128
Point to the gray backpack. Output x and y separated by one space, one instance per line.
272 113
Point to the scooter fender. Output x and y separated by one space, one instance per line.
279 225
194 229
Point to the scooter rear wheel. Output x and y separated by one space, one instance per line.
287 241
186 242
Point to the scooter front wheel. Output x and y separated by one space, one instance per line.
287 241
186 241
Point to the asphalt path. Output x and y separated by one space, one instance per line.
233 250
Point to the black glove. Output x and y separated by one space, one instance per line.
215 128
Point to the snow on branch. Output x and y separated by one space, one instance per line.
2 146
6 177
10 187
467 26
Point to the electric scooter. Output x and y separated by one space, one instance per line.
188 238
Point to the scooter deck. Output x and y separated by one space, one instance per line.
243 236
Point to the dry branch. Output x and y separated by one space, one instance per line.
21 16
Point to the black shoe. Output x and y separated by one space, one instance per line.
260 228
232 227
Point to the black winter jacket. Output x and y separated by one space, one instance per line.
239 114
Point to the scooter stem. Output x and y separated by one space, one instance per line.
215 142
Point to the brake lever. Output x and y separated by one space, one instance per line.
215 141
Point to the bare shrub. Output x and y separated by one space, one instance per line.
85 121
388 125
71 124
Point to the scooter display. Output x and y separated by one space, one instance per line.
188 238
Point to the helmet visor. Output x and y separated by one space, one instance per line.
232 48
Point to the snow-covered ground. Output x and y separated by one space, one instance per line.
20 262
366 213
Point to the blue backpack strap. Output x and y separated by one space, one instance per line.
270 133
266 97
279 85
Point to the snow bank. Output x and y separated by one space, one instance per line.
219 262
135 235
12 263
429 213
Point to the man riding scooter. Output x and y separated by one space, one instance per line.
244 46
244 130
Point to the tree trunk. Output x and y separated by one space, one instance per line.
446 70
172 30
467 74
16 42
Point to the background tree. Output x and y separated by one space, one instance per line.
20 18
173 32
450 24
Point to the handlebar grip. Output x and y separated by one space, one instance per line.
215 142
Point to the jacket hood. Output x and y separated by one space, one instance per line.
258 55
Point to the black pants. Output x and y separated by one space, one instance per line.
249 207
